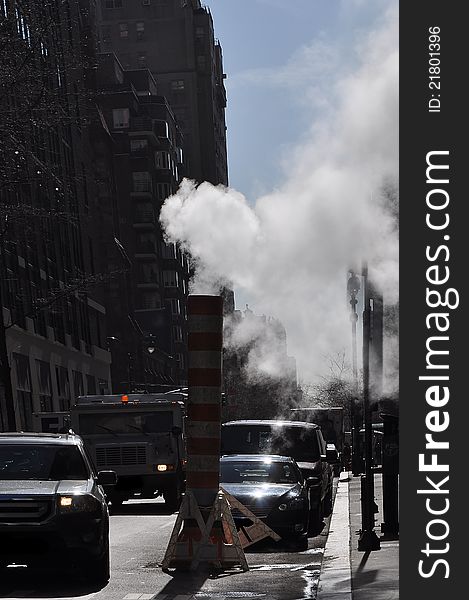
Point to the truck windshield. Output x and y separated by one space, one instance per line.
41 462
125 422
297 442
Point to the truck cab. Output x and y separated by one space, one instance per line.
140 437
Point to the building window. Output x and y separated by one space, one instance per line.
170 279
180 360
124 30
177 85
201 62
24 394
142 59
146 2
141 181
106 34
175 307
199 32
177 333
112 3
150 300
138 145
163 191
140 28
120 117
78 384
103 387
45 387
63 388
146 243
148 274
169 250
144 214
90 384
162 160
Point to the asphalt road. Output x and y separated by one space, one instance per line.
139 537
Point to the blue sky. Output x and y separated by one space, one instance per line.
273 50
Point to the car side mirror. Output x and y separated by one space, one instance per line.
107 478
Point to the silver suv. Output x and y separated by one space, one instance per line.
52 503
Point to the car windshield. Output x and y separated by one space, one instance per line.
298 442
41 462
258 472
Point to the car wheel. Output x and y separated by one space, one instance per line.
100 569
315 521
301 543
327 504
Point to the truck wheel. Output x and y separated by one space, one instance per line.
173 496
116 501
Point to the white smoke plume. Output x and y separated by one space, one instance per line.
289 251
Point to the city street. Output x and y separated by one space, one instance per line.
139 536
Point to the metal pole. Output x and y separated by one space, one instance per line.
353 287
368 539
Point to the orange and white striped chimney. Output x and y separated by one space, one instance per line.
203 421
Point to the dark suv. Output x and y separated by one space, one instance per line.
52 503
300 440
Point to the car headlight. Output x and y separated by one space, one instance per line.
293 504
78 503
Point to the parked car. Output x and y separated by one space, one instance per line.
273 489
53 509
333 458
300 440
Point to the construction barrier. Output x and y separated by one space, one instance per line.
213 541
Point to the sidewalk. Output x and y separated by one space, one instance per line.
346 573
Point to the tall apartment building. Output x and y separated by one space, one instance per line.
147 305
175 40
52 325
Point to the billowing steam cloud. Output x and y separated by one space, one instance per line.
290 250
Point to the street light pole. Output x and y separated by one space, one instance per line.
368 539
353 287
